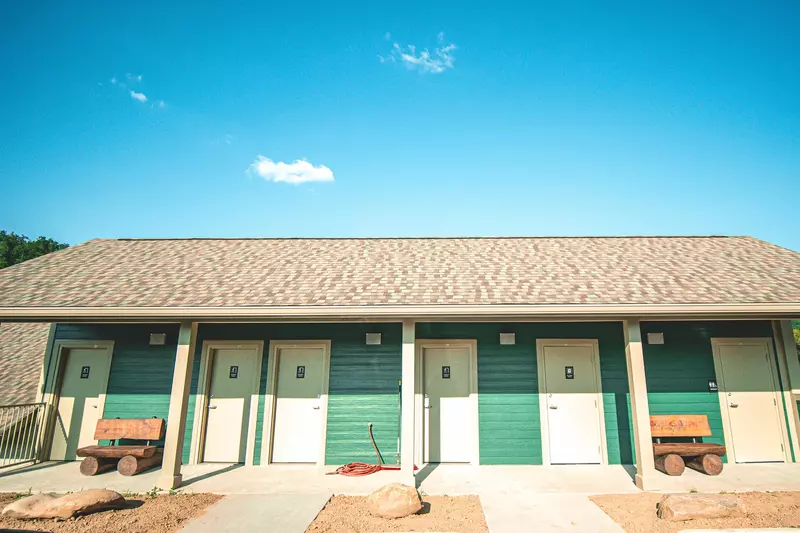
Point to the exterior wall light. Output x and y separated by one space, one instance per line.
508 338
655 338
373 338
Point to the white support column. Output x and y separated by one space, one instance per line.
789 366
170 477
637 384
407 404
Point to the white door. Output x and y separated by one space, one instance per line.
573 413
233 380
298 430
448 411
83 383
752 405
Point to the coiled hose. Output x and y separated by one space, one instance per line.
364 469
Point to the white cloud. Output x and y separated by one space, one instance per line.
423 61
301 171
131 77
138 96
113 81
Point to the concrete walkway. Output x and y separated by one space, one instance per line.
545 513
276 513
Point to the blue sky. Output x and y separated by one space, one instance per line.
576 118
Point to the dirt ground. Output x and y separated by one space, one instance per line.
636 513
350 514
161 514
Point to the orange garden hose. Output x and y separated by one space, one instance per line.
364 469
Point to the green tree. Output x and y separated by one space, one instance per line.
18 248
796 329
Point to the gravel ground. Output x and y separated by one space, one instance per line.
636 513
161 514
350 514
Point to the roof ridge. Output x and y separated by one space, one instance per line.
474 237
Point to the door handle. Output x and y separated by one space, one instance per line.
734 404
315 407
212 406
553 407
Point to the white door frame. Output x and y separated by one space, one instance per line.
419 392
58 361
544 412
727 428
197 447
272 388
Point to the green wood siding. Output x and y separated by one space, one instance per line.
140 379
363 385
678 371
508 389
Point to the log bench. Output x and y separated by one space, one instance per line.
672 458
128 459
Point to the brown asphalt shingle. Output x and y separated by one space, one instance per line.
22 348
364 272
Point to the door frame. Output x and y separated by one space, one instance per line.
52 393
272 388
419 393
727 428
197 448
544 412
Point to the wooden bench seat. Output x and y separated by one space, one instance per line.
129 459
671 457
118 452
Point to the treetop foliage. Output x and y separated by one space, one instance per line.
18 248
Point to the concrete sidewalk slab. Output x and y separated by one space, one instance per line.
276 513
545 513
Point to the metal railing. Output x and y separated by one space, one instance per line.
21 428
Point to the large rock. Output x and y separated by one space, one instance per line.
63 507
678 507
394 501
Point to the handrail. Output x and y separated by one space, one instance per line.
21 429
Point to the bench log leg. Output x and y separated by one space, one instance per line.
91 466
708 464
670 464
130 465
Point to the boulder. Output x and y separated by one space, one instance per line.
679 507
394 501
63 507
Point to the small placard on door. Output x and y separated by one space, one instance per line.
234 372
569 372
445 372
84 372
301 372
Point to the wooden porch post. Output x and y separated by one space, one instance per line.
637 385
789 367
407 404
179 400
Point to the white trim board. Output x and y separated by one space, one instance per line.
770 310
201 397
542 382
272 385
419 392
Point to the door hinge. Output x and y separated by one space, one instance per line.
782 447
775 403
598 449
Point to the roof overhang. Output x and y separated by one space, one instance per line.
387 313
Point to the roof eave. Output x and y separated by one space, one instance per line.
427 312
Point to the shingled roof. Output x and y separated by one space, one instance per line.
22 348
214 273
